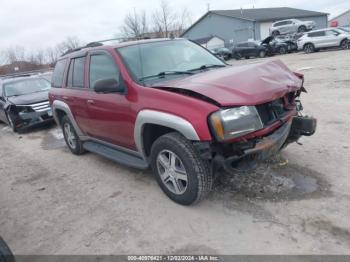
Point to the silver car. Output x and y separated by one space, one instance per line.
291 26
323 38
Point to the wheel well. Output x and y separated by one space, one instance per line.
308 44
60 113
150 134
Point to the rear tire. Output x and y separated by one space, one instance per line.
275 33
302 29
247 57
70 136
180 172
309 48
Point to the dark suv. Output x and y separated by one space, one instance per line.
172 105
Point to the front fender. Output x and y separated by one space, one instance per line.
163 119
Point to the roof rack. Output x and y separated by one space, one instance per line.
26 73
100 43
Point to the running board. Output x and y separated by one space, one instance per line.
115 155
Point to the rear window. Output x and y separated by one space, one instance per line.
58 73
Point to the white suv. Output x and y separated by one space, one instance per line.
291 26
323 38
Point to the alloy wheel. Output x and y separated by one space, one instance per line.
70 136
172 172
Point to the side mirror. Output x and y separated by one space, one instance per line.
108 85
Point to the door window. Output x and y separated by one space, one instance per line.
102 67
58 73
76 73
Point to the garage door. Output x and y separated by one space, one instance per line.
264 30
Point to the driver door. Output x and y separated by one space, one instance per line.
110 115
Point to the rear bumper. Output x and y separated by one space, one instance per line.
245 156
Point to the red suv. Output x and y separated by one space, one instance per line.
172 105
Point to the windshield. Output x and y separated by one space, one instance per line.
26 86
345 29
151 59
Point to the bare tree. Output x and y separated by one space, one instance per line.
183 21
69 44
135 25
14 54
163 19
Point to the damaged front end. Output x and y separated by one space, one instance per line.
21 117
281 123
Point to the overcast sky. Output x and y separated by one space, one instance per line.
43 23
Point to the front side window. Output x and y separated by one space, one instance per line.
58 73
102 67
76 72
26 86
150 59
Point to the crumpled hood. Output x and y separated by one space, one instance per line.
29 98
251 84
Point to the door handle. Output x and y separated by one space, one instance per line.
90 101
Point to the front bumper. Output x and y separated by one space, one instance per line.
245 156
26 120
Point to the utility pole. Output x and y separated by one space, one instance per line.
208 7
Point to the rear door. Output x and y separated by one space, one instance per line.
111 117
318 39
75 92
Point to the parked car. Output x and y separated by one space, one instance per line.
323 38
249 49
274 46
344 29
291 42
174 106
291 26
223 53
24 101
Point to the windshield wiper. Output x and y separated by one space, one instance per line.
202 67
165 73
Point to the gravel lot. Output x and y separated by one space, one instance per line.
52 202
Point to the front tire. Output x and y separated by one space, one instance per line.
282 50
262 54
180 172
309 48
70 136
344 44
10 123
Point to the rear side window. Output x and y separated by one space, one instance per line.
243 45
58 73
102 67
316 34
76 72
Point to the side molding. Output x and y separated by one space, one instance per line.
64 107
163 119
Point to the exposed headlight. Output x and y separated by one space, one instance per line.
235 122
24 109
